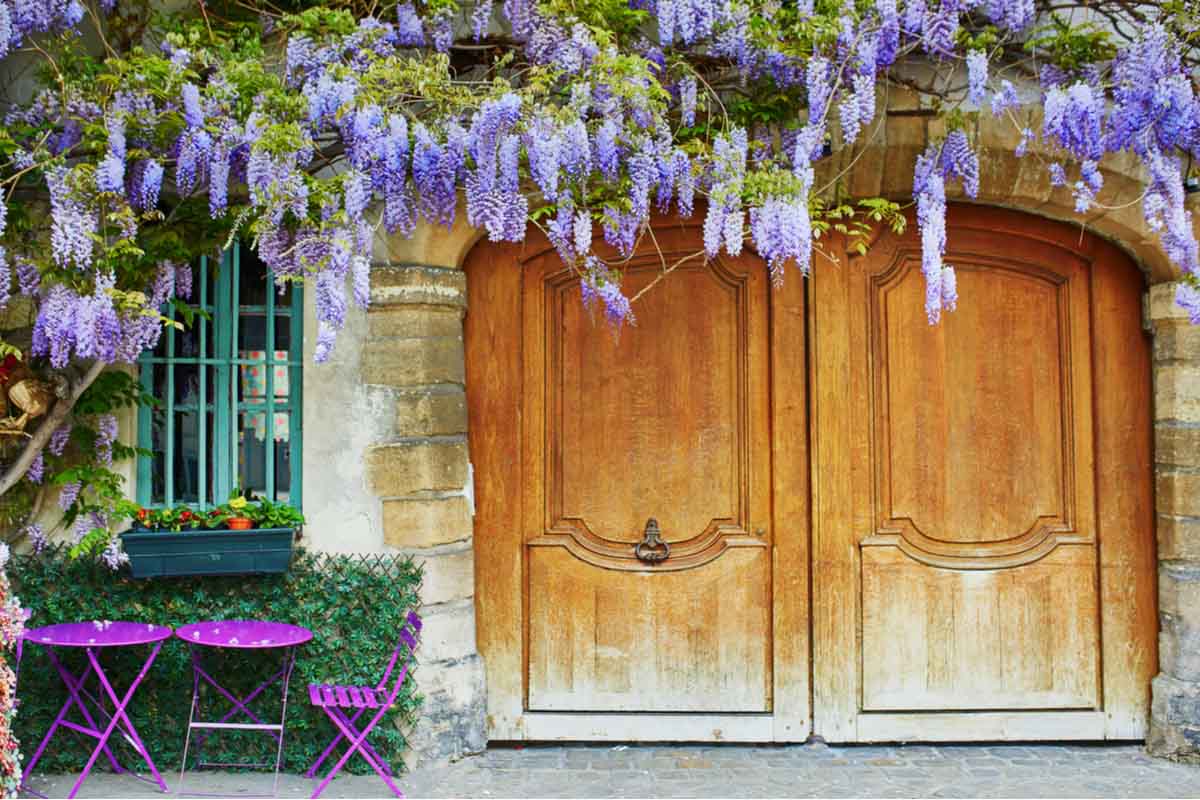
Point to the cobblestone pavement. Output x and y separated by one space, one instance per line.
737 771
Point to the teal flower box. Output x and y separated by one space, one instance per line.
154 554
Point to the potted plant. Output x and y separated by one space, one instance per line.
235 514
239 536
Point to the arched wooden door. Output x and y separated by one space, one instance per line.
981 519
983 530
580 436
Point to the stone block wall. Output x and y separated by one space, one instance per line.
1175 711
413 352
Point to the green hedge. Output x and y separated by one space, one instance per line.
354 605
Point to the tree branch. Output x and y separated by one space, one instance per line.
49 425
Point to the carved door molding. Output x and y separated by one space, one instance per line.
604 546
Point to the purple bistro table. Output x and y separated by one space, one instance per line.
92 638
239 635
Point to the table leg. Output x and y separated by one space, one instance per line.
289 660
118 714
74 686
240 706
187 737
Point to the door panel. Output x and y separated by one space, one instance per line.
954 493
632 431
689 640
668 419
942 639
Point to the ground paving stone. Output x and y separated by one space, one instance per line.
732 771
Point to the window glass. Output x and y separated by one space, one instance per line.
229 388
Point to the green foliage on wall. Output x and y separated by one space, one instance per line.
354 605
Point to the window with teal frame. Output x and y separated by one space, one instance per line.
229 390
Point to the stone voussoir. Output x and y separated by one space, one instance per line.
403 468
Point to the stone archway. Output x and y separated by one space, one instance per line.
420 471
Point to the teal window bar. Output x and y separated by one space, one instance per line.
230 391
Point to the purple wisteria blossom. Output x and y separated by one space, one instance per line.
782 232
37 468
977 76
6 278
1166 214
1074 120
73 223
597 288
930 188
1188 298
68 494
59 439
112 555
1089 184
106 435
148 184
37 538
687 100
1005 98
29 278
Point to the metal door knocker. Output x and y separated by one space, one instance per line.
652 549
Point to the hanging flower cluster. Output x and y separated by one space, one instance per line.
600 115
158 138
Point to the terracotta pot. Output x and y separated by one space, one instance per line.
240 524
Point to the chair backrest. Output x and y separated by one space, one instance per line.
410 634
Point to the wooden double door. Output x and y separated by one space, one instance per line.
765 512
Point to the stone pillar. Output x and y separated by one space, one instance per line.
1175 710
414 348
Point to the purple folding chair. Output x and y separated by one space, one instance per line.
340 700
